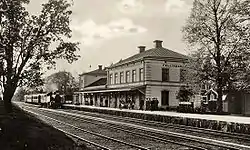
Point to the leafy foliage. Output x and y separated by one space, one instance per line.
19 94
30 42
184 94
62 81
219 30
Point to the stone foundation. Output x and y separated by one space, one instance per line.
194 122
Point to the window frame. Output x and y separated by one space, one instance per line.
122 77
127 78
116 78
165 74
141 74
111 78
134 75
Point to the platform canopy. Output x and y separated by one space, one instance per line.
105 90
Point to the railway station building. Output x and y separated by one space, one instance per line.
151 74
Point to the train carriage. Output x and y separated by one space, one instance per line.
41 99
36 99
47 100
28 98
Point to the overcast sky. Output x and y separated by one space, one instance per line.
110 30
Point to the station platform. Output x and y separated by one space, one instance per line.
228 123
226 118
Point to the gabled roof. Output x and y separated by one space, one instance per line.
154 52
101 81
211 91
95 72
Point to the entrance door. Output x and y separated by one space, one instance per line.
165 98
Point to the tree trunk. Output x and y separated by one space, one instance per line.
219 101
220 93
7 96
7 105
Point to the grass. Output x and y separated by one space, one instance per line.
21 131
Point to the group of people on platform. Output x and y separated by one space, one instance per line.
128 104
152 104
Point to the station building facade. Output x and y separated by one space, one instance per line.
153 74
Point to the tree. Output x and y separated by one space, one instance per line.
63 81
185 93
19 94
30 42
219 30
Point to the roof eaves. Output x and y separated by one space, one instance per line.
159 57
94 72
127 62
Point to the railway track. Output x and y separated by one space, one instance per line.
128 136
172 137
237 136
227 136
132 132
108 143
184 140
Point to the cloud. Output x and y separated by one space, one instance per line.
130 6
175 7
89 31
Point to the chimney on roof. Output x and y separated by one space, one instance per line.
100 67
141 49
158 43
